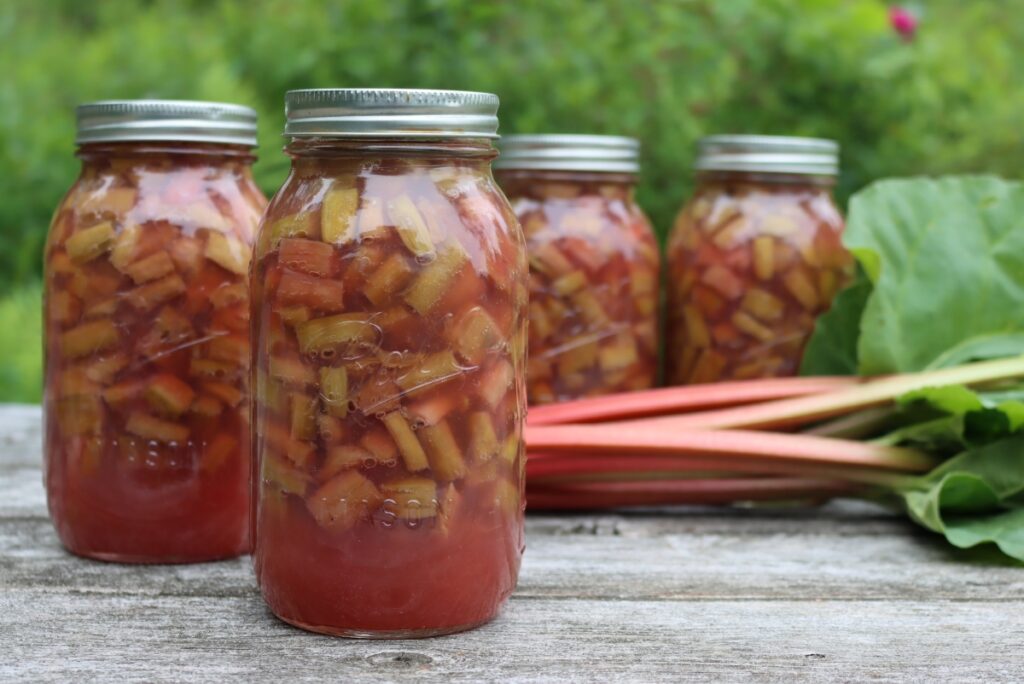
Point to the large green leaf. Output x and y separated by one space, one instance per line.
947 260
975 497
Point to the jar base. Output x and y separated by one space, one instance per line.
385 635
143 559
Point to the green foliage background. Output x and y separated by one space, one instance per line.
667 71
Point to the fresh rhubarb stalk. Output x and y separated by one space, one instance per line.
558 468
625 438
681 399
796 412
859 425
670 492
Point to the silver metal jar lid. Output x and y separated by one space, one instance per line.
555 152
390 113
768 154
166 120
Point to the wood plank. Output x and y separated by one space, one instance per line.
58 637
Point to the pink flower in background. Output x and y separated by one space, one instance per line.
903 21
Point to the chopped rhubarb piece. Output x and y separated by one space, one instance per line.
278 437
169 395
294 315
723 281
549 260
618 353
60 264
304 224
752 327
152 267
149 427
343 500
229 294
696 329
764 257
102 309
303 417
762 305
300 289
413 498
801 287
590 308
411 227
331 429
86 245
187 254
433 370
80 415
379 443
341 458
104 370
127 247
308 256
334 390
206 406
828 284
153 294
89 338
443 451
388 279
117 201
229 394
326 337
227 252
371 219
511 449
431 409
124 391
476 333
495 382
284 476
217 452
291 371
436 277
338 215
63 307
232 349
569 283
408 446
482 439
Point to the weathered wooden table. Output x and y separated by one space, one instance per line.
845 592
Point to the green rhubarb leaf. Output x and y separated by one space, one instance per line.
1005 530
955 416
832 349
946 257
974 498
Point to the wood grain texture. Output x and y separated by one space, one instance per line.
847 591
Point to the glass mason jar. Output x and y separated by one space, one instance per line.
389 293
754 258
593 264
146 334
